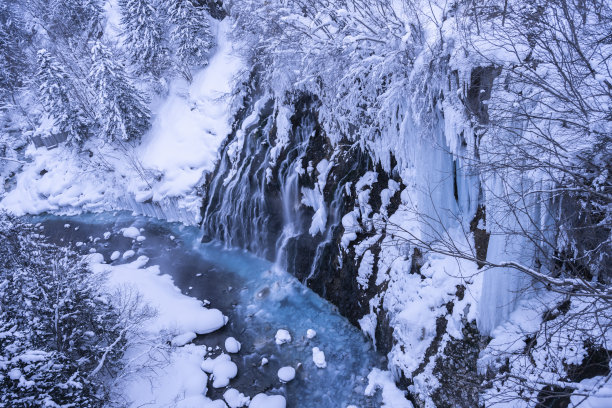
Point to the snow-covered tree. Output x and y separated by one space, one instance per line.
144 36
191 36
75 19
57 328
56 96
122 111
13 60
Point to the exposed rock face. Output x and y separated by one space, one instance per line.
283 190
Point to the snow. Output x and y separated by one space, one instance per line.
192 122
310 333
128 254
232 345
156 375
235 399
182 339
318 357
264 361
15 374
107 235
601 398
222 368
115 255
268 401
282 336
157 175
365 270
130 232
286 374
176 312
392 396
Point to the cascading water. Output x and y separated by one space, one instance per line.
240 209
288 181
283 195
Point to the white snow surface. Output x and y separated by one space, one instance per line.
158 376
286 374
268 401
232 345
187 128
130 232
183 339
318 357
222 369
282 336
192 122
392 396
235 399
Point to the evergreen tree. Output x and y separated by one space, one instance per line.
143 36
75 19
123 111
13 60
55 96
57 327
190 36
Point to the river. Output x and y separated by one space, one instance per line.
258 298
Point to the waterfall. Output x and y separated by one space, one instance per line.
279 190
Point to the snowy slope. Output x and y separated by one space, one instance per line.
163 169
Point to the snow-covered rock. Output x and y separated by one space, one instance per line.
183 339
222 368
282 336
235 399
286 374
318 357
268 401
130 232
232 345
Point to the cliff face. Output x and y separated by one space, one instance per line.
327 211
437 174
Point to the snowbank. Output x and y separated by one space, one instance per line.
162 376
154 177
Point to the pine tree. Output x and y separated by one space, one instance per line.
191 35
57 326
56 97
123 111
143 36
13 61
75 19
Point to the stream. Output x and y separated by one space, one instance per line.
258 298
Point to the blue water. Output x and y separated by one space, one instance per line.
257 298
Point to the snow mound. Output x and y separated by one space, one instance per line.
183 339
222 368
235 399
286 374
130 232
318 357
232 345
392 396
268 401
282 337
